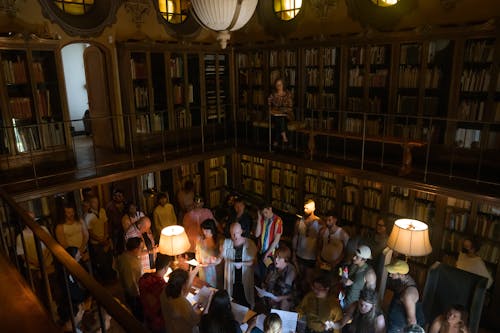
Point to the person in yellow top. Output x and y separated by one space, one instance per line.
321 310
164 214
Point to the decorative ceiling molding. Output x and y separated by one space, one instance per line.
380 18
322 7
138 10
91 24
8 7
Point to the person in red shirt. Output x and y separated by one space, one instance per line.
150 288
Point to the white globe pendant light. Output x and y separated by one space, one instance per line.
223 16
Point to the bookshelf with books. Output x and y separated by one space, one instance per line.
217 100
372 203
253 176
312 93
189 172
457 219
399 202
33 108
356 87
284 191
160 117
216 180
320 186
180 90
486 227
139 71
350 200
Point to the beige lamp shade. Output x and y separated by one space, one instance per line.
410 237
173 241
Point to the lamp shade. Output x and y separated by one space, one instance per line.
410 237
223 16
173 241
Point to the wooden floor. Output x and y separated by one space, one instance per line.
20 309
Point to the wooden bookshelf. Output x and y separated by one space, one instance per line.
216 180
33 103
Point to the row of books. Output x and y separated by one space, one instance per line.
370 184
355 104
356 77
312 77
329 101
489 209
142 124
321 187
458 203
217 162
490 253
408 77
374 105
470 110
432 77
467 138
475 80
351 181
14 72
425 196
350 194
274 60
182 118
254 185
189 169
290 178
328 77
217 178
410 54
215 197
369 218
38 74
487 227
289 58
400 191
52 133
355 125
290 77
256 171
479 51
323 205
348 213
452 241
377 55
456 221
357 55
410 132
177 67
138 69
372 198
312 100
423 211
141 97
320 124
398 206
27 139
20 108
312 57
329 57
378 79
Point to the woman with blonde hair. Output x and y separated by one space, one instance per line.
453 321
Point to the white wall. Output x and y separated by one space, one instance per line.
74 75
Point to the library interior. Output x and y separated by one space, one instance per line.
216 166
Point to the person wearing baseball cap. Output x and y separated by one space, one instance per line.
360 275
405 308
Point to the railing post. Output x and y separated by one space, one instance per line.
43 273
428 150
26 260
70 301
130 139
363 143
269 131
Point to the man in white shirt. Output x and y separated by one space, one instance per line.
469 261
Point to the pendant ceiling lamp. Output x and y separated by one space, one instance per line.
385 3
223 16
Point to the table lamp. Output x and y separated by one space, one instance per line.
173 242
409 237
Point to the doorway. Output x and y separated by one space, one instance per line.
87 90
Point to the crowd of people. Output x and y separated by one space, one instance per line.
322 271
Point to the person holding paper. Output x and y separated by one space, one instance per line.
207 252
268 232
365 314
239 255
280 280
179 315
219 317
320 308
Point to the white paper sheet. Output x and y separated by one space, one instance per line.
241 313
204 296
265 293
259 324
193 262
289 320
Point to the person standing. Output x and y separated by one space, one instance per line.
129 272
151 286
239 255
142 230
185 198
405 308
268 232
331 243
207 252
280 104
132 215
163 215
114 211
73 232
469 261
361 275
100 243
378 240
305 245
241 216
193 219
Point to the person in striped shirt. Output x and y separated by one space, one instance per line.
268 233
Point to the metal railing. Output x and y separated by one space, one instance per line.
344 137
14 220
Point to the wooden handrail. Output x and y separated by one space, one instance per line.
116 310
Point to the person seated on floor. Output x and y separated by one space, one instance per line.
364 315
280 280
129 271
178 314
320 308
220 317
151 286
453 321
